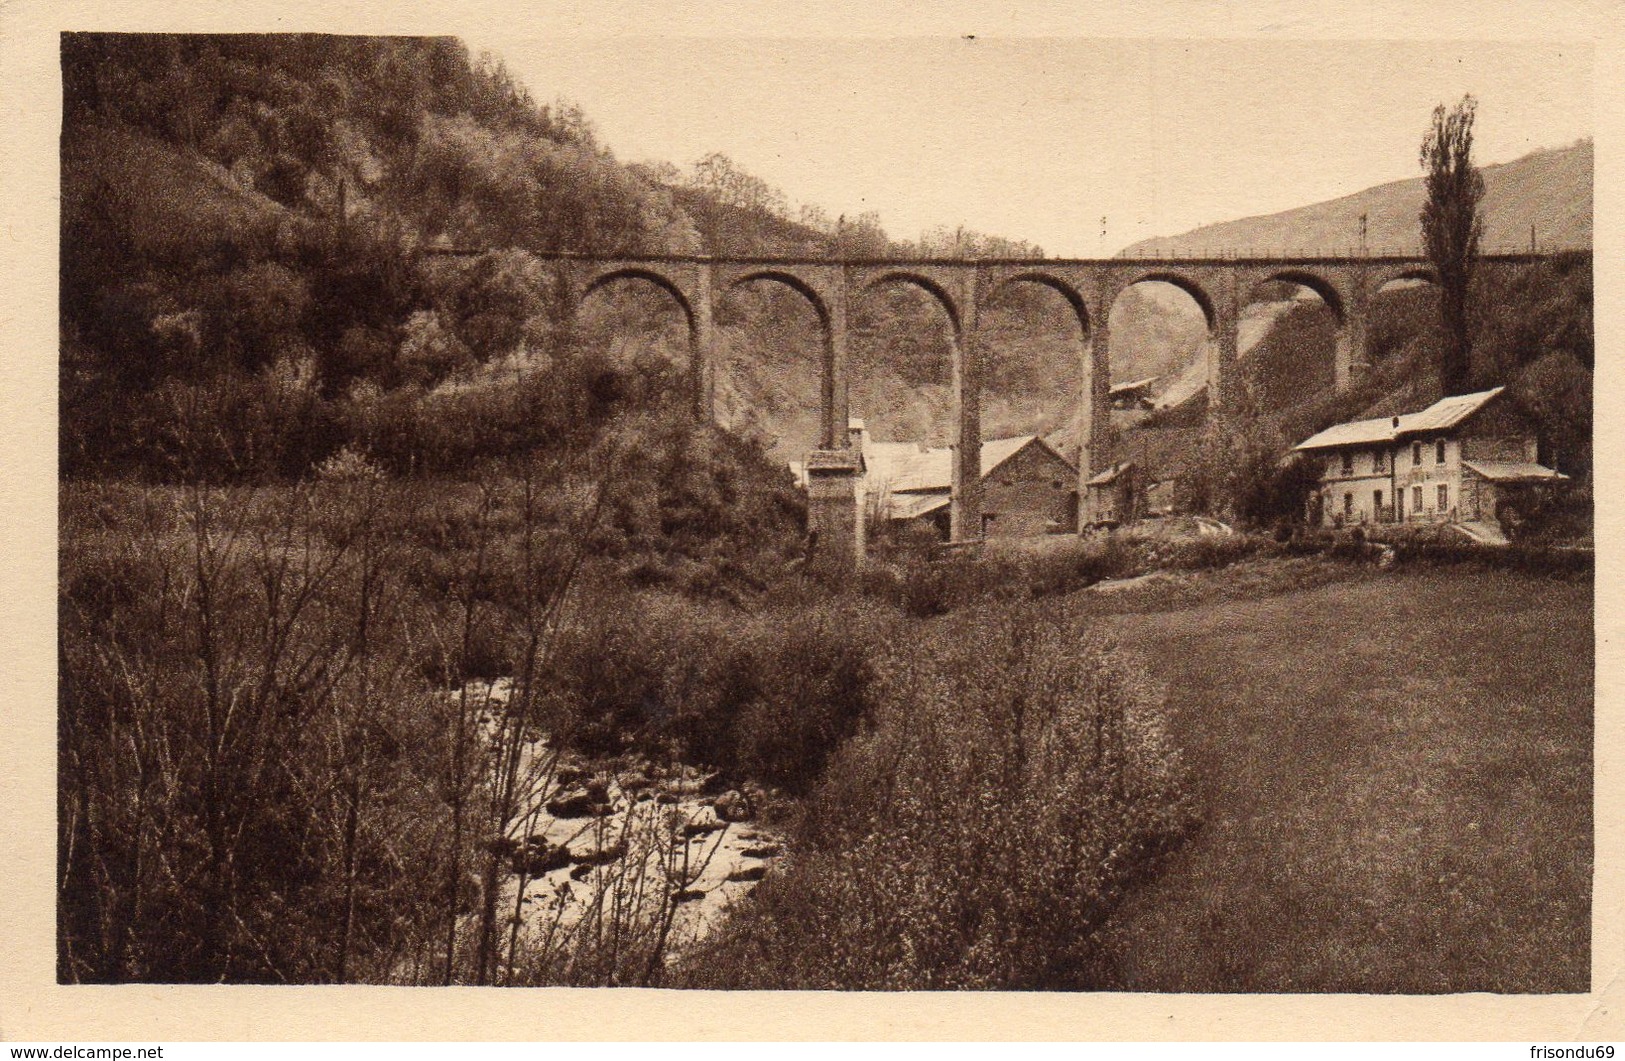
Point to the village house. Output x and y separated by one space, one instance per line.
1460 460
1111 496
1028 489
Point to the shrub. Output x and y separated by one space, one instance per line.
1535 559
935 587
1080 564
924 589
1015 781
769 694
235 688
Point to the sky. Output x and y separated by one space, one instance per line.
1080 146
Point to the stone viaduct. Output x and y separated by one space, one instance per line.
1221 287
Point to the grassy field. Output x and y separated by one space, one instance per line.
1397 781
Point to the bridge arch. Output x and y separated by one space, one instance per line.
652 276
792 281
695 306
1074 299
832 397
1328 292
1196 291
1332 321
929 286
1196 353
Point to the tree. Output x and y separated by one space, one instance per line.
1451 227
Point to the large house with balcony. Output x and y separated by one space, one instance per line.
1457 461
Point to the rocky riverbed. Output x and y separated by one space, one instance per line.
625 846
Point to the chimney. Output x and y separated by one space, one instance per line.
856 434
1396 423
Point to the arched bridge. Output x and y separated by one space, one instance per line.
1222 287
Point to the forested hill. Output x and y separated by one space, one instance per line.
244 228
1549 189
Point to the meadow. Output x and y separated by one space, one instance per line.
1396 780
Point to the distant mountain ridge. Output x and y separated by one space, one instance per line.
1550 189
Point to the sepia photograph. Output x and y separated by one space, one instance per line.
971 513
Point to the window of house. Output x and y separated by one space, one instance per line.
1444 498
1416 499
1376 503
1438 452
1416 453
1348 504
1376 461
1348 462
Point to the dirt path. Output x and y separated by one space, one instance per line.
1396 780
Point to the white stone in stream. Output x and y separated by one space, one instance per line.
732 806
703 822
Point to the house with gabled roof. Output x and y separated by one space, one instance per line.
1460 460
1028 488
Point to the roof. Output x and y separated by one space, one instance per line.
1356 433
1446 412
1110 474
999 450
903 467
1515 472
838 459
912 506
1442 415
1130 388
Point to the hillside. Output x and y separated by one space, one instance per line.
1550 189
244 227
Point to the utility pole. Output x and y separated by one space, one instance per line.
1362 234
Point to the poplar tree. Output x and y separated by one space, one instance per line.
1451 226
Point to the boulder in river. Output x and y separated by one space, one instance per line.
701 827
733 806
538 856
577 803
602 855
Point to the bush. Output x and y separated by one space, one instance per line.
1080 564
1014 782
1534 559
1430 544
767 694
236 685
930 588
